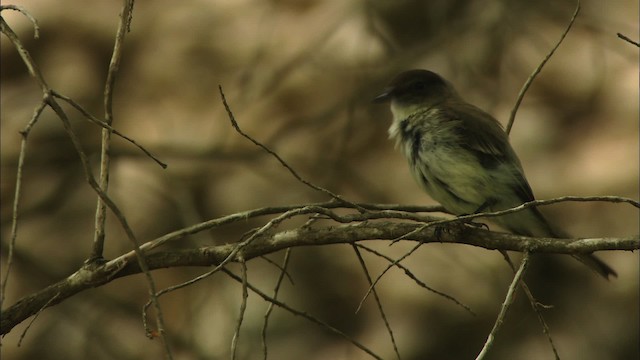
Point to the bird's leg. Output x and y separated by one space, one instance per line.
441 228
485 205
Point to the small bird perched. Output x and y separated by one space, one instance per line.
461 156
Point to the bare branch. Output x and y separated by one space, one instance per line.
36 28
105 157
274 154
416 280
537 308
535 305
378 301
46 305
304 315
50 101
106 126
627 39
243 309
535 73
267 243
16 198
505 307
276 290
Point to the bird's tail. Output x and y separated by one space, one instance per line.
531 222
593 262
597 265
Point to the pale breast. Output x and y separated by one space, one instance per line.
438 161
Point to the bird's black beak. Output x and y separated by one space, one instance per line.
385 96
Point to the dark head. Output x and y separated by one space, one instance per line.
416 89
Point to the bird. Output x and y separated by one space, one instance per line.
460 155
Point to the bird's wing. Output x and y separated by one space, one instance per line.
483 136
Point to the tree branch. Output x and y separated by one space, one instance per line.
268 243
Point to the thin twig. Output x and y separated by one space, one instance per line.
243 309
625 38
282 269
533 75
537 309
235 125
105 157
124 25
389 267
534 203
36 28
304 315
505 307
276 290
233 255
363 265
34 71
16 197
415 279
106 126
33 320
170 289
535 305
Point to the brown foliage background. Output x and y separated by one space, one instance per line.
299 76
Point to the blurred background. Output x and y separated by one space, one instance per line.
299 76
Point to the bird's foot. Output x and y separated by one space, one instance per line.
474 224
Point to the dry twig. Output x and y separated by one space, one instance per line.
508 300
535 72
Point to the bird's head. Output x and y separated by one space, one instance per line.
415 90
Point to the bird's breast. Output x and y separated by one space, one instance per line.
421 132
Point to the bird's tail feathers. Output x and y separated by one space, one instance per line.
597 265
531 222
